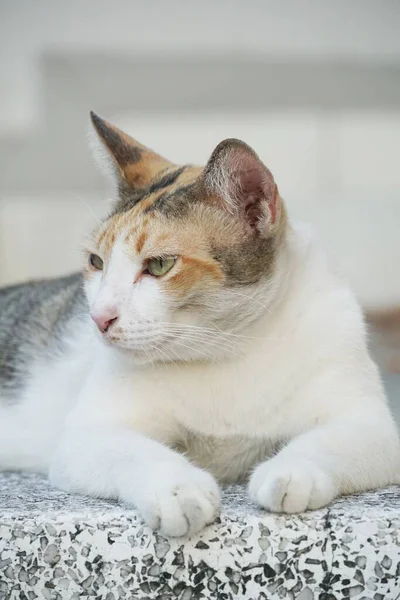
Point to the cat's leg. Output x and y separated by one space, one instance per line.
351 452
101 457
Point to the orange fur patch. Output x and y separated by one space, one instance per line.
205 266
194 273
140 174
141 240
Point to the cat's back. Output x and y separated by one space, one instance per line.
33 320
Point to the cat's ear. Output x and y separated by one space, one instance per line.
125 159
237 179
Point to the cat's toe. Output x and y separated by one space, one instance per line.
183 506
291 486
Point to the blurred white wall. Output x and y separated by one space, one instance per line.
336 167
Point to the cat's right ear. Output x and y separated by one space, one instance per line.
240 183
119 155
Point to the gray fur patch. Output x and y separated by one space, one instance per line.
248 263
177 203
129 197
33 318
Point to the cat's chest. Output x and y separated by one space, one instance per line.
222 399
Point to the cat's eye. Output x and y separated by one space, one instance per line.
160 266
96 262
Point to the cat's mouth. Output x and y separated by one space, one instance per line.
138 344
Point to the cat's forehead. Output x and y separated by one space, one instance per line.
166 193
154 215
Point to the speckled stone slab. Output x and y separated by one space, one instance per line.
55 546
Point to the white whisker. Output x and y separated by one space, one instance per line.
182 328
178 341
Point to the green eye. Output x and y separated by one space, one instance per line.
96 262
160 266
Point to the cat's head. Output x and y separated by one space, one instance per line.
189 256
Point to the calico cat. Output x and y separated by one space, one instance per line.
206 340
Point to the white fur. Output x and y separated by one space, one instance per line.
290 368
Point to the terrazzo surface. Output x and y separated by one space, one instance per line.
55 546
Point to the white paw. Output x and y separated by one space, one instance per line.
178 500
291 485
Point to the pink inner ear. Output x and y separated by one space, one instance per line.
251 194
255 185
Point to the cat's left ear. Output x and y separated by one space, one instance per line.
118 154
237 179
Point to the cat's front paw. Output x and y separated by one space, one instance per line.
178 501
291 485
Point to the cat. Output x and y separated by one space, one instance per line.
205 340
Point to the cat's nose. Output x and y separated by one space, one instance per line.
104 320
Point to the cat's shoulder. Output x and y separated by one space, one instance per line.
318 289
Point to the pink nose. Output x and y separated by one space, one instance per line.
104 320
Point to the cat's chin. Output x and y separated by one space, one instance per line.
139 354
136 357
143 357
